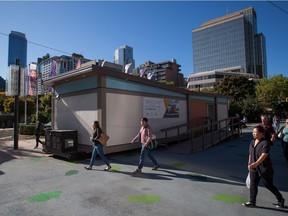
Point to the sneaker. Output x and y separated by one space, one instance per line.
249 205
137 171
107 168
280 203
156 167
88 168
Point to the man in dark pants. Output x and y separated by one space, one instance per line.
38 130
260 166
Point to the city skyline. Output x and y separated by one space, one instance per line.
157 31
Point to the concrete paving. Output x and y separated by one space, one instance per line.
211 182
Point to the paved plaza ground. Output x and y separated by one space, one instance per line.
211 182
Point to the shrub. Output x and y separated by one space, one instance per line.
27 129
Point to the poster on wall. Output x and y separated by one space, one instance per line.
160 108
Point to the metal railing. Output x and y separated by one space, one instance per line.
203 136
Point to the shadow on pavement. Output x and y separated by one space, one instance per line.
275 209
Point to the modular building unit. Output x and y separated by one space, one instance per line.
118 101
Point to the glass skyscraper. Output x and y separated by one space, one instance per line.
124 56
17 49
230 41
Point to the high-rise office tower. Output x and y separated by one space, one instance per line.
230 41
124 56
17 48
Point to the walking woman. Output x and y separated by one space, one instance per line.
98 148
260 166
285 140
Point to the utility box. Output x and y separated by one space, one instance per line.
62 143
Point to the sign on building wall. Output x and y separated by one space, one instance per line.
160 108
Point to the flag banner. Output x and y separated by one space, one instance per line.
103 63
127 67
78 63
151 75
32 87
23 82
142 72
53 68
12 80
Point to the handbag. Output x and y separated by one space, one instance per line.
153 143
280 134
248 180
103 138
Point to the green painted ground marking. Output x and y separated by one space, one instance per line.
197 177
179 164
229 198
69 162
147 199
42 197
36 159
116 168
71 172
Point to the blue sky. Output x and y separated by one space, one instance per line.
157 31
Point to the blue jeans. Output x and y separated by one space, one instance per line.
98 149
146 152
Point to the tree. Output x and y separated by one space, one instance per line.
274 89
9 105
242 92
76 55
237 87
2 98
47 56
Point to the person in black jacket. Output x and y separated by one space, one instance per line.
260 166
98 148
38 130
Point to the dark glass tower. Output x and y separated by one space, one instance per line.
17 48
230 41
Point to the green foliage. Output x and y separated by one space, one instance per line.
237 87
46 100
171 83
27 129
44 112
2 98
274 89
242 92
76 55
47 56
43 116
8 105
252 109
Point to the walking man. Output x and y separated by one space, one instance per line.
38 130
145 136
